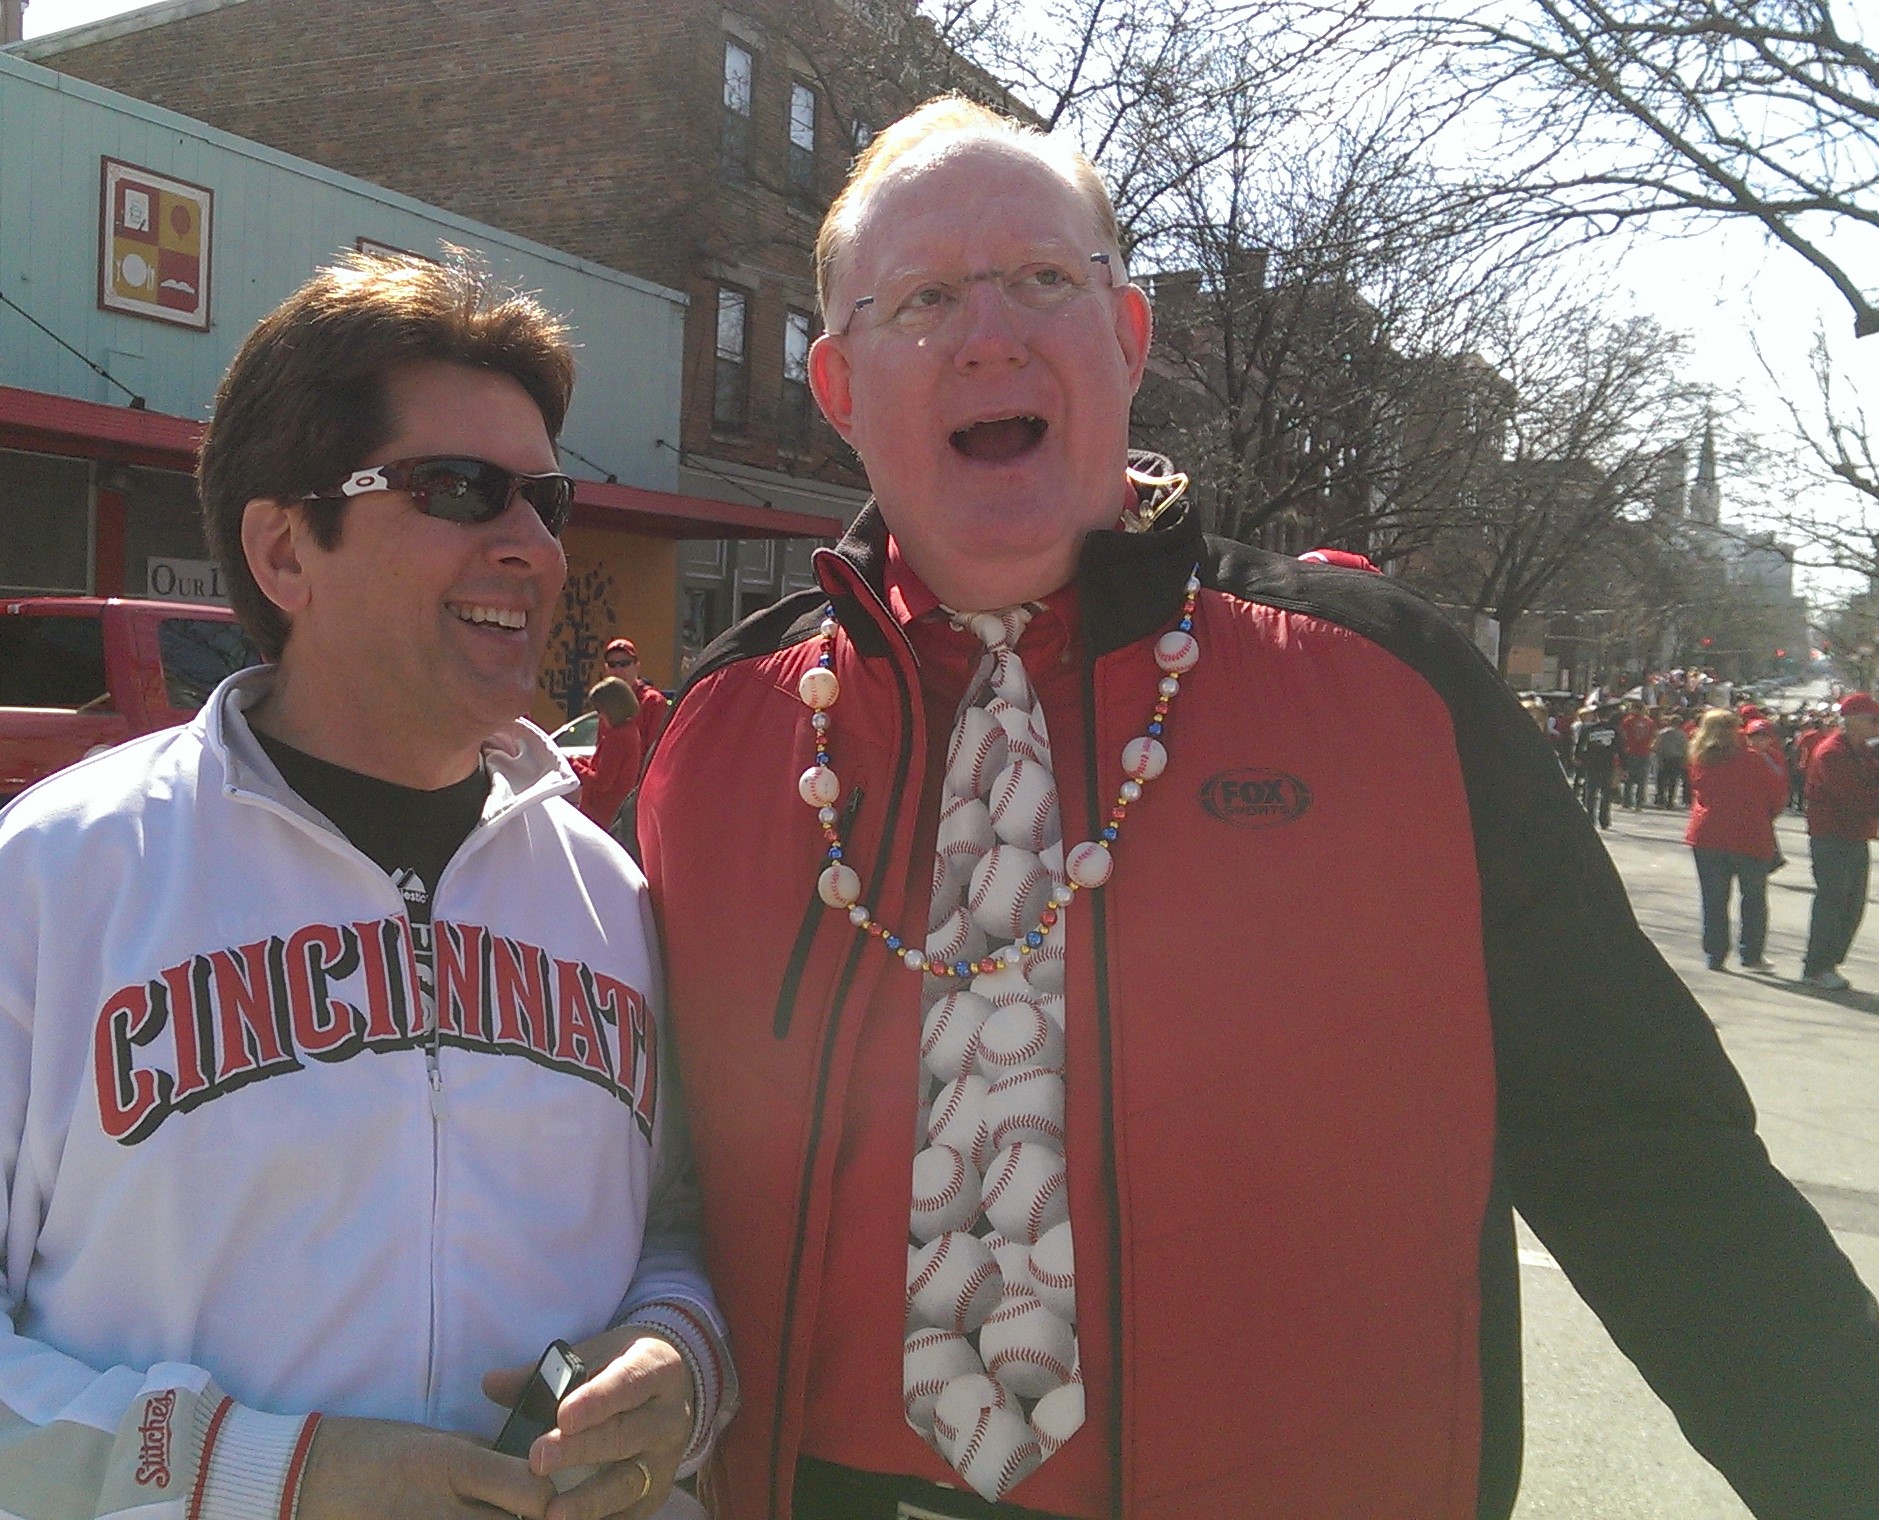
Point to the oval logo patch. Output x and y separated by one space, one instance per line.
1255 796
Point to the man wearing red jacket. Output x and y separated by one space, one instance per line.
1635 732
621 657
1842 816
1059 1156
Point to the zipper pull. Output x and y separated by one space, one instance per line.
436 1078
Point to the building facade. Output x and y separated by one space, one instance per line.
137 249
691 143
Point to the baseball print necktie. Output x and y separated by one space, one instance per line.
990 1372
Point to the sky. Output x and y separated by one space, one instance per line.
1729 289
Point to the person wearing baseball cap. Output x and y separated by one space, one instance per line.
621 659
1842 818
1060 1156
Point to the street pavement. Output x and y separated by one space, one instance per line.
1600 1446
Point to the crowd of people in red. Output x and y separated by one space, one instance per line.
1736 770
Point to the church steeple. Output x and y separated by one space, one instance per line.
1706 493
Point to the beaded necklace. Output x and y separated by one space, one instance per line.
1087 866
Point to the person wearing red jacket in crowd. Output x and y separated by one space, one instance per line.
1738 792
1842 817
612 770
1233 1236
621 658
1813 732
1635 733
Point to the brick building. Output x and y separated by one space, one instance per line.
684 141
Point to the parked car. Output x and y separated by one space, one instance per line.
578 737
79 674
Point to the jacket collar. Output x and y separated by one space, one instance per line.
1128 584
524 765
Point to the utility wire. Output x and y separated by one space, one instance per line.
693 462
136 401
611 478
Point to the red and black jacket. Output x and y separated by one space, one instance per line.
1365 982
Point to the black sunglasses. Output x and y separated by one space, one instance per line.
463 490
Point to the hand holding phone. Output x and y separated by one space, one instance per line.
556 1375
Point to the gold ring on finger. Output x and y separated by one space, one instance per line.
645 1479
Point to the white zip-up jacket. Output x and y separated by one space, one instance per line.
248 1179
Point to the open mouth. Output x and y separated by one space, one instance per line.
1001 439
508 618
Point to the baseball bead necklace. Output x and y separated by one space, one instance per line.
1087 866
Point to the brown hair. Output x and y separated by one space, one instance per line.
614 699
1717 733
954 116
305 400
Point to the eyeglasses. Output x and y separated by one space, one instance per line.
620 664
920 304
463 490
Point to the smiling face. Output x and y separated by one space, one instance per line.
414 639
995 441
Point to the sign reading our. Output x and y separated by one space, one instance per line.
184 580
153 246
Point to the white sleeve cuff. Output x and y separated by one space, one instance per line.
251 1462
689 1328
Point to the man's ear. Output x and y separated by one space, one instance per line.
829 374
274 537
1135 327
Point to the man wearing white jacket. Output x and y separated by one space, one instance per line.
332 1085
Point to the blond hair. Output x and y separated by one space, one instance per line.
955 118
1716 734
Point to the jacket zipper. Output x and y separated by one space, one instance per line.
781 1024
1112 1192
806 933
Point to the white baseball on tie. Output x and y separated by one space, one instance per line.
1013 1256
977 753
992 1448
1023 804
965 831
1024 1191
1014 721
1026 1104
1014 1037
954 1283
1053 1009
949 1033
1027 1347
958 938
1043 968
949 886
1050 1267
1008 890
1058 1415
945 1192
958 1119
929 1361
959 1404
1005 985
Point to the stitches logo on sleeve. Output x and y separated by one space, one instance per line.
153 1435
244 1014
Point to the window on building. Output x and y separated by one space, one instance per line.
728 396
795 419
863 135
802 142
734 146
45 523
